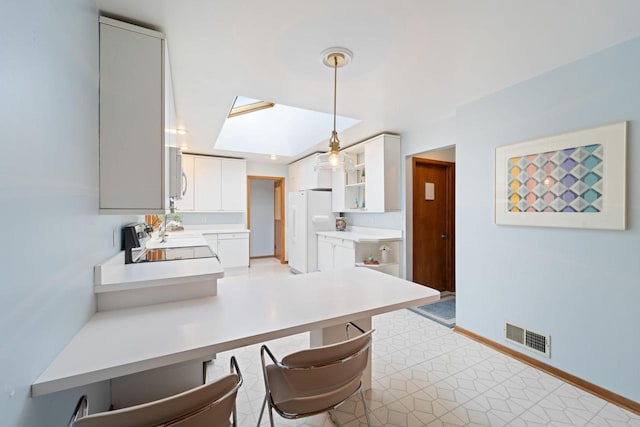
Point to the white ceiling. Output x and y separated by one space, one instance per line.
414 60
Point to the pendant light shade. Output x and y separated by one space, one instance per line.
334 159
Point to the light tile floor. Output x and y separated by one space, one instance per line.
424 374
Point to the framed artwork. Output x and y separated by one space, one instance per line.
574 180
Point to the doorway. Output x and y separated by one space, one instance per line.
265 217
434 223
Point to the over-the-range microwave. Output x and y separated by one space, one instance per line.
177 178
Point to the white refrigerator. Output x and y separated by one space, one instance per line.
309 212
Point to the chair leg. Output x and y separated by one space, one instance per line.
264 402
334 419
235 416
364 405
271 415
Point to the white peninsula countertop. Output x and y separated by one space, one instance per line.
243 313
118 285
116 275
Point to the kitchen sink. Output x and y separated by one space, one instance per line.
174 235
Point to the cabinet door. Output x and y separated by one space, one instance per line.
207 184
343 257
233 252
234 185
375 185
188 183
337 191
310 178
131 123
294 179
325 255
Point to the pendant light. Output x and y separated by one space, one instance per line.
334 159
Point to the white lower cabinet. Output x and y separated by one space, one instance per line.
325 255
339 250
232 249
335 253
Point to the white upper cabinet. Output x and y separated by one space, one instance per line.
215 184
303 177
374 185
207 184
234 185
136 106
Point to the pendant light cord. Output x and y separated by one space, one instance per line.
335 85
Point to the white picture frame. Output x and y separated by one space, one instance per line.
516 205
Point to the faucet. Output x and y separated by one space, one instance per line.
163 224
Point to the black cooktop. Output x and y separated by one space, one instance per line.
173 254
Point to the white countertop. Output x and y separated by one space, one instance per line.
365 234
115 275
121 342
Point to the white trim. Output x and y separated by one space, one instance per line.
130 27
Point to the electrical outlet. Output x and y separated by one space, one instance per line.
8 388
114 237
204 219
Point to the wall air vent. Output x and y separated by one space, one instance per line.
534 341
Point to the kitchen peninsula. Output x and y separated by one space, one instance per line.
119 285
128 341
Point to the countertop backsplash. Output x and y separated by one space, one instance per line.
389 220
203 218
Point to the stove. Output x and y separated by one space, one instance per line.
134 240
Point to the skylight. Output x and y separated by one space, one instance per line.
281 129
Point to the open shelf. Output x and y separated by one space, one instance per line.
382 264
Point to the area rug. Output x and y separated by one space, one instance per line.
442 311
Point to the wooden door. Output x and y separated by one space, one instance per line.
433 224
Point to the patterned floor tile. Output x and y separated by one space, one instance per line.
422 406
533 384
494 407
566 405
614 416
427 375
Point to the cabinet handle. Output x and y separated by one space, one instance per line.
445 236
186 183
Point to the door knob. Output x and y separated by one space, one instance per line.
445 236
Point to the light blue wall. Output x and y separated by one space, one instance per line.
580 286
261 242
389 220
52 235
200 218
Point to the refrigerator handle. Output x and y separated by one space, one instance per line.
293 217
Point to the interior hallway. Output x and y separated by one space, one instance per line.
424 374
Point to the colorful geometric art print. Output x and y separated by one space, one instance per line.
568 180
